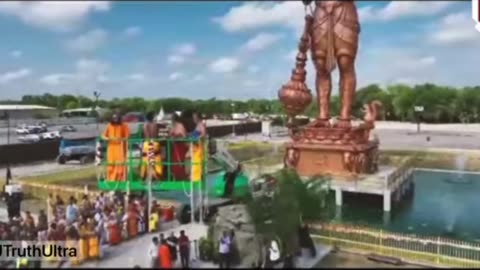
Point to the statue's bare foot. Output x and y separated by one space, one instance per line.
343 123
319 122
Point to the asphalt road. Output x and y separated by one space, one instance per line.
85 130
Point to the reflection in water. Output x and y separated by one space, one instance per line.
436 208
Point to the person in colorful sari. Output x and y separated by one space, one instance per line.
116 134
179 149
151 150
197 155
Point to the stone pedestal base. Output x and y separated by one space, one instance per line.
333 159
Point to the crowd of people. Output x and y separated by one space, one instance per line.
88 224
164 252
187 125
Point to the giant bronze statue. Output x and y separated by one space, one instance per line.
331 34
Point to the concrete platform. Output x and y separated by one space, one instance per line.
369 184
389 180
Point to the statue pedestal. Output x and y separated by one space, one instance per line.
333 151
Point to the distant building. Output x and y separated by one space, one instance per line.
27 111
82 112
240 116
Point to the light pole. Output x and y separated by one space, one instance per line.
233 112
418 111
96 95
9 172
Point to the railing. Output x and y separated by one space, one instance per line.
412 248
405 170
133 161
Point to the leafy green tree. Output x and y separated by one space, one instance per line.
441 104
293 200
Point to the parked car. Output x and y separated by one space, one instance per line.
53 135
22 130
35 129
81 150
68 129
30 138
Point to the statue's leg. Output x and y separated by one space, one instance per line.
323 85
348 83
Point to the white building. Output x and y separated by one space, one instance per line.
82 112
27 111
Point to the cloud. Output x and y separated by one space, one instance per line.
396 10
176 59
262 41
186 49
132 31
86 71
409 62
16 54
253 15
251 83
60 16
88 42
455 29
55 79
181 53
175 76
139 77
86 65
14 75
253 69
292 55
198 77
224 65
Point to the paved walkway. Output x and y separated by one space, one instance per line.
134 252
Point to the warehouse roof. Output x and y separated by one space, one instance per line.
82 110
14 107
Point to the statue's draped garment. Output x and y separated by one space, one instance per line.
335 31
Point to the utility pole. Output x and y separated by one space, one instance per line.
418 112
9 172
96 94
233 112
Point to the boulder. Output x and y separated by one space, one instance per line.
236 218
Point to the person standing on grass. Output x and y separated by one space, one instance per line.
153 253
224 251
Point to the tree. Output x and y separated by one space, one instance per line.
441 104
293 200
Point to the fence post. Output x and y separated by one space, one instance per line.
438 251
380 243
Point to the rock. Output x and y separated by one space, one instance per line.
235 217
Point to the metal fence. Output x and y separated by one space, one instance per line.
413 248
